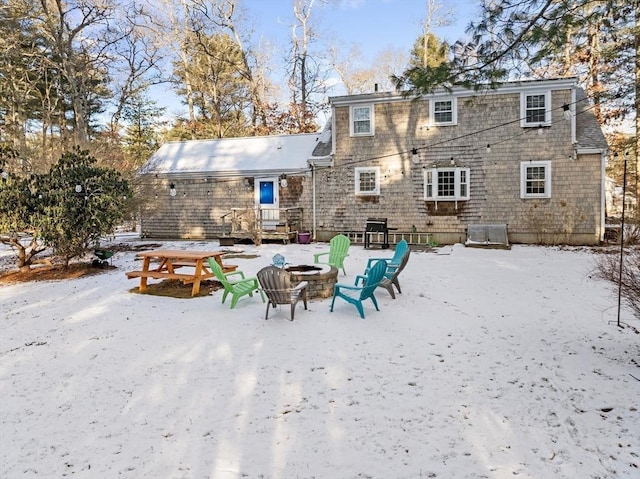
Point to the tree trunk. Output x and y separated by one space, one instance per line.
636 43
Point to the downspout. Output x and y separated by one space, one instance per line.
603 181
313 201
573 115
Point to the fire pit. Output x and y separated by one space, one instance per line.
321 278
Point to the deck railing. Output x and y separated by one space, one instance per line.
250 221
375 238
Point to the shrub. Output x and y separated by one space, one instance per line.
608 268
68 209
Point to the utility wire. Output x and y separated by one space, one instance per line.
350 163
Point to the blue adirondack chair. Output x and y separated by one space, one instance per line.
236 288
338 251
392 263
357 294
390 277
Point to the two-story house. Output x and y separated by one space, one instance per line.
521 163
528 156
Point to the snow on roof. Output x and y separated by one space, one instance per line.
233 155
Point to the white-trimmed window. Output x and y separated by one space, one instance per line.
361 120
443 111
535 179
367 181
446 184
535 108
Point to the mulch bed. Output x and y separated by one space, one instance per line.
176 289
54 272
168 288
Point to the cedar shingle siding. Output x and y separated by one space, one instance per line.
404 145
572 214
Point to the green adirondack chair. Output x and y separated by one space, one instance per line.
338 251
236 288
357 294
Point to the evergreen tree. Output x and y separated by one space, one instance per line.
428 52
219 91
595 40
141 135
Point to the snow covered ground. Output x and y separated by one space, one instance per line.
490 364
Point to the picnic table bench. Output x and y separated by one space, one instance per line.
170 260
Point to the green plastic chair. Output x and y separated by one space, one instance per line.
338 251
237 288
357 294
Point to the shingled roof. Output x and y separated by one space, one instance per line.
588 132
322 149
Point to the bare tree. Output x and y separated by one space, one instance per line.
137 61
434 18
167 23
349 68
79 39
305 73
224 15
361 76
61 53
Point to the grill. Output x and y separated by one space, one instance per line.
376 225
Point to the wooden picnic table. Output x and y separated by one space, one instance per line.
169 260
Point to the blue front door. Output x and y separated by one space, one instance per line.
267 193
267 201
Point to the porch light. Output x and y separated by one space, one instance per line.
283 181
416 158
172 189
488 148
566 111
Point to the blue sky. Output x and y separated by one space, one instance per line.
373 25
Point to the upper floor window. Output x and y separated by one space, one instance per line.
367 181
361 120
535 109
446 184
443 112
535 179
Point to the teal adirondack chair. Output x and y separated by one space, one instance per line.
357 294
338 251
236 288
390 278
394 262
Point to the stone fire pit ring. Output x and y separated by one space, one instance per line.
321 278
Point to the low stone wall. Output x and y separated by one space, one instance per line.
321 279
